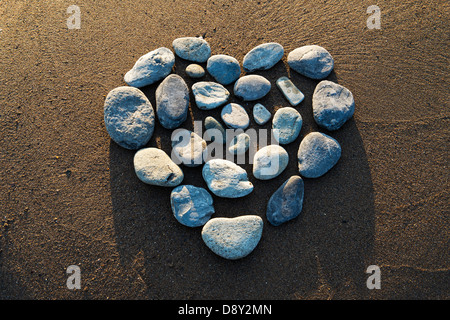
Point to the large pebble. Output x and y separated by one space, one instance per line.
311 61
226 179
192 49
239 144
252 87
233 238
195 71
192 206
129 117
209 95
261 114
214 130
332 104
269 162
223 68
287 202
150 68
317 154
263 57
188 147
172 101
235 116
153 166
287 122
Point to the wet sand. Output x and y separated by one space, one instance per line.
69 195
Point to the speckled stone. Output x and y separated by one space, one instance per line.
287 122
311 61
191 206
192 49
263 57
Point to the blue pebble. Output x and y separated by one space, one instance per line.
192 49
192 206
263 57
195 71
223 68
252 87
313 61
287 202
214 130
261 114
288 123
317 154
235 116
209 95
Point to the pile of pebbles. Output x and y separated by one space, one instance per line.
130 120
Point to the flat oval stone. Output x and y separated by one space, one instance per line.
235 116
191 206
223 68
261 114
209 95
287 202
288 123
214 130
150 68
192 49
233 238
239 144
226 179
129 117
195 71
317 154
188 148
252 87
172 101
263 57
332 104
269 162
311 61
153 166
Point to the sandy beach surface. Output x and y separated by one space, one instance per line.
69 195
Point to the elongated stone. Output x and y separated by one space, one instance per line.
214 130
263 57
290 91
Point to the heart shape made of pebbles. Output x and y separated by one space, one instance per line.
130 120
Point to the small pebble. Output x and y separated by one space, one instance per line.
332 104
192 206
317 154
235 116
188 147
214 130
251 87
263 57
129 117
233 238
287 122
209 95
290 91
269 162
195 71
287 202
192 49
153 166
239 144
261 114
172 101
150 68
226 179
223 68
313 61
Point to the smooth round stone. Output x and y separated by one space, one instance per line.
235 116
317 154
239 144
261 114
226 179
188 147
269 162
311 61
252 87
150 68
288 123
263 57
223 68
209 95
287 202
332 104
214 130
192 206
172 101
129 117
192 49
233 238
153 166
195 71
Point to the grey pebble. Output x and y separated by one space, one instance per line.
288 123
192 49
223 68
191 206
209 95
269 162
235 116
251 87
195 71
311 61
263 57
188 148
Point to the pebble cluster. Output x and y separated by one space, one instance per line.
130 119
